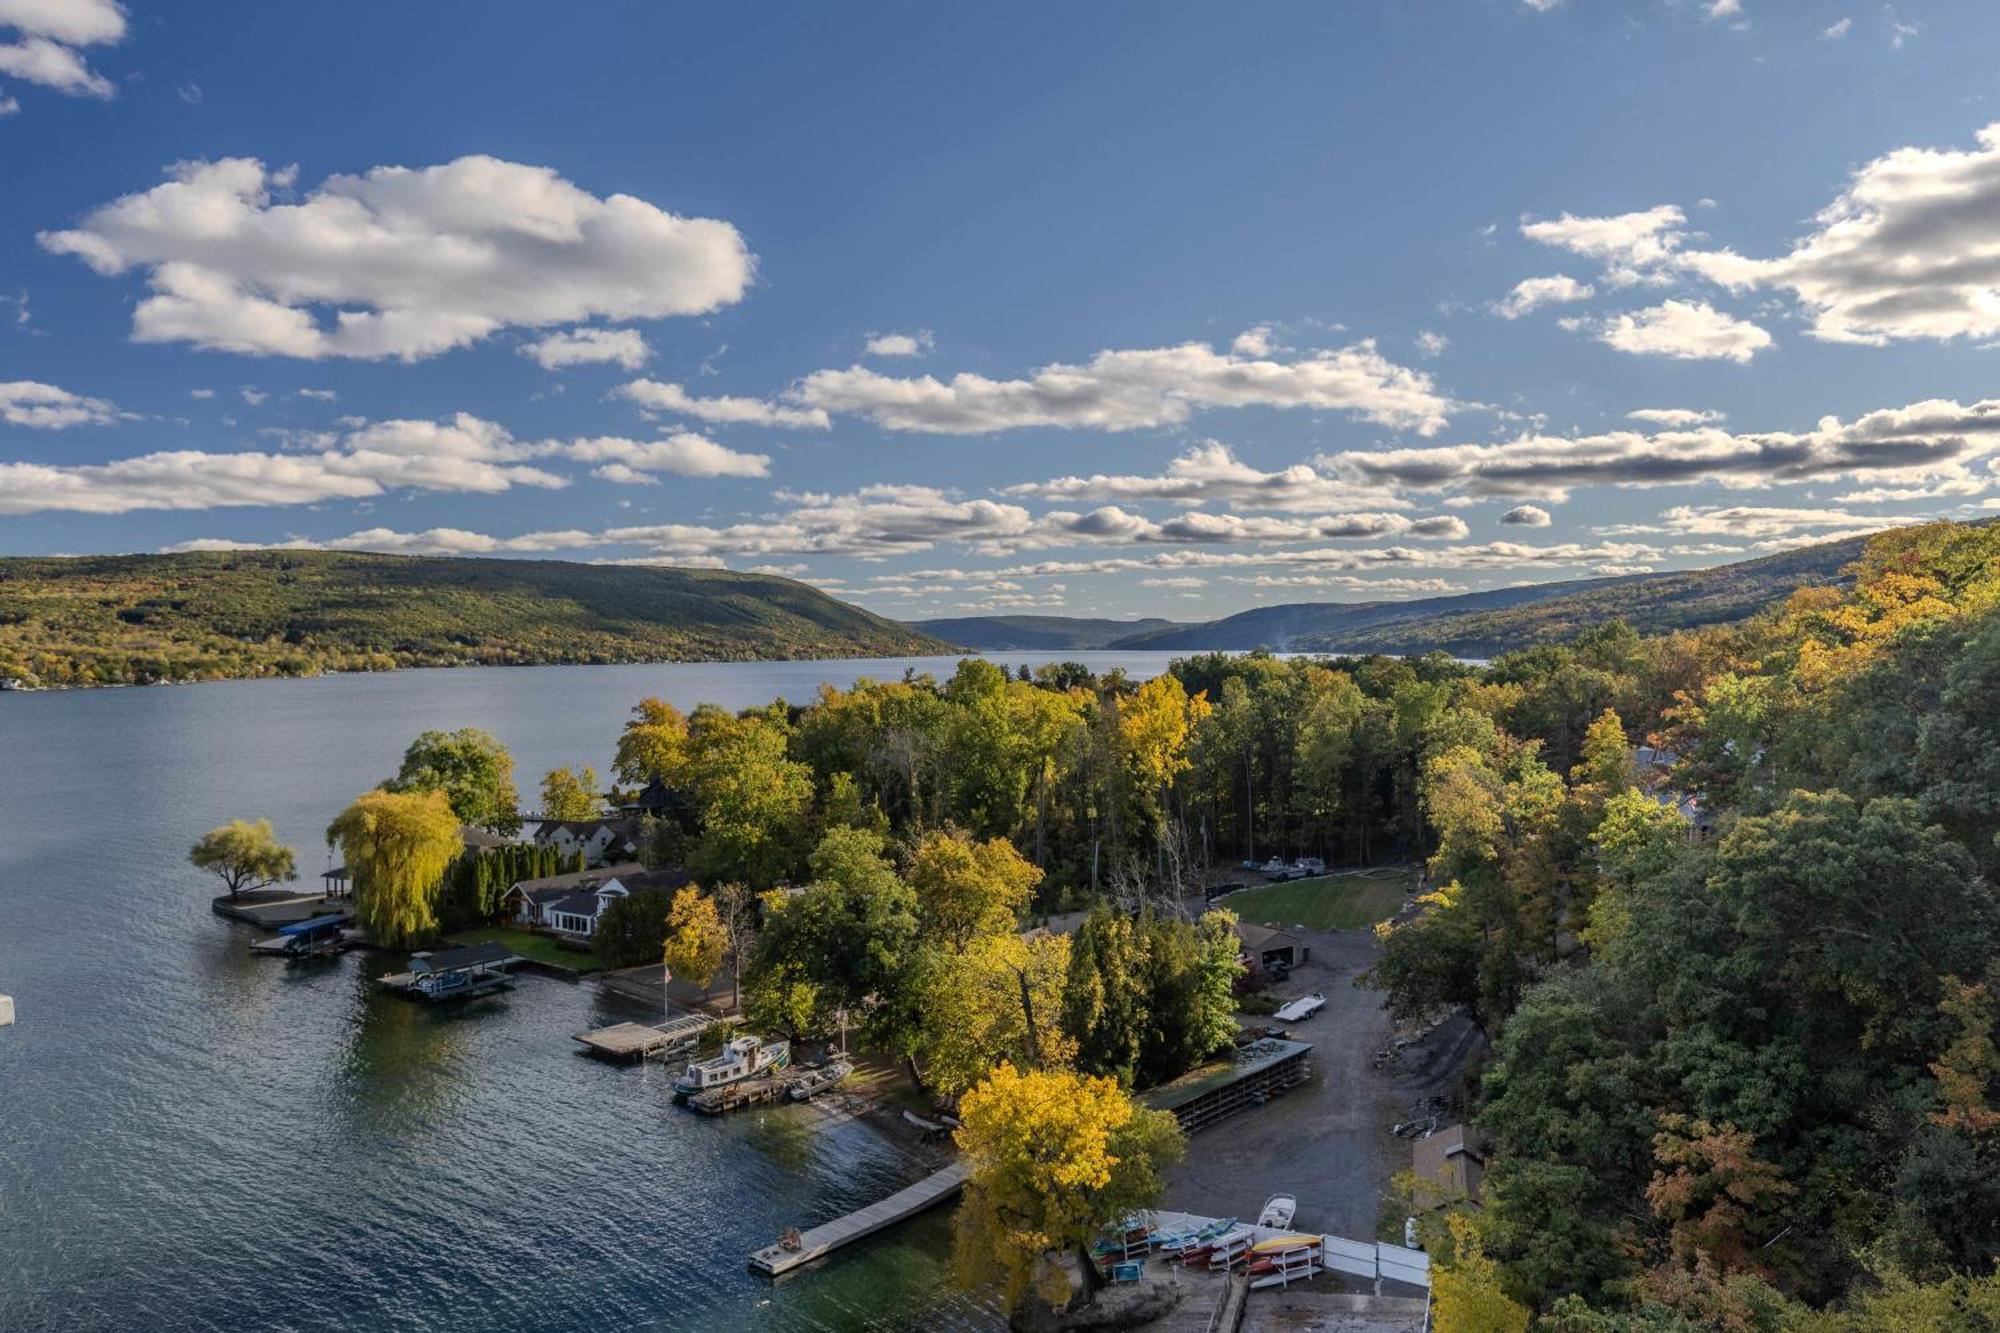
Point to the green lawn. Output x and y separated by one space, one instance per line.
1333 902
527 944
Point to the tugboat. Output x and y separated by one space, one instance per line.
742 1057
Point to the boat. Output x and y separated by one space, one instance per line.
1279 1210
1302 1008
741 1057
812 1082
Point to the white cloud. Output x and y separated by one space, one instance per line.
1132 390
201 393
1527 516
1900 32
900 344
45 407
1676 416
254 397
1722 9
580 347
320 395
1684 330
1531 293
8 105
1432 343
683 454
42 39
1768 520
1632 246
724 410
1210 474
1934 439
1836 30
1255 341
397 262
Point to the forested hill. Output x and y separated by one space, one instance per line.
104 620
1475 624
1071 632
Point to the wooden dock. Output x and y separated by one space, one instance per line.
819 1241
639 1041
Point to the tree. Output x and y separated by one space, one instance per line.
736 907
999 1001
244 856
1052 1158
653 745
966 888
1466 1289
633 929
695 937
398 846
851 934
471 768
569 793
1104 1002
782 999
1714 1193
753 799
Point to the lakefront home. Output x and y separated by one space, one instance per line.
571 905
599 841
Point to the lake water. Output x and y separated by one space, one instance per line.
193 1138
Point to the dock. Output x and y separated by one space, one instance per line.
744 1092
640 1041
817 1242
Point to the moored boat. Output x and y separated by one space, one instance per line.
741 1057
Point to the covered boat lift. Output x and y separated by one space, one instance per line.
456 974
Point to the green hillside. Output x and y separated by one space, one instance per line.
106 620
983 633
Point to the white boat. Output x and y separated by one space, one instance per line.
741 1057
815 1081
1279 1210
1302 1008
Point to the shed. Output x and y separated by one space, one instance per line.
1449 1166
1266 946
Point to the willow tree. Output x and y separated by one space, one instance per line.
244 856
398 846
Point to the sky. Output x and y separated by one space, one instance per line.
1112 309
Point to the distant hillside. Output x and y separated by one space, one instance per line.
984 633
101 620
1303 626
1651 604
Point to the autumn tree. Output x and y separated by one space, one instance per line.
1001 1000
696 939
397 846
753 799
244 856
1104 1000
471 768
1052 1158
653 745
966 888
1713 1192
1467 1291
571 793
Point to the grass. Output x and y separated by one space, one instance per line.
1331 902
530 945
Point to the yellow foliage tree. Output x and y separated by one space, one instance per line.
569 793
696 938
1465 1290
653 744
1053 1157
1001 1000
967 888
397 846
1154 726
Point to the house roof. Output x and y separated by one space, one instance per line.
579 904
585 829
671 877
479 837
540 890
470 955
1261 938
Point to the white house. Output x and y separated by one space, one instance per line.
571 905
599 840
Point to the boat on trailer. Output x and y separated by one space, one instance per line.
741 1058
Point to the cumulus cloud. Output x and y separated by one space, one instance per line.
684 454
1527 516
1432 343
1749 521
40 44
396 262
1632 246
45 407
899 344
1937 438
1676 416
1684 330
1532 293
1210 474
722 410
584 347
1136 389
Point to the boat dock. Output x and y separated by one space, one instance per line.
640 1041
454 974
744 1092
816 1242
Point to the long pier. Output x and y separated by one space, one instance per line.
816 1242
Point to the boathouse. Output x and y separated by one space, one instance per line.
1250 1076
452 974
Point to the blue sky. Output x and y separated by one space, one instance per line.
1106 309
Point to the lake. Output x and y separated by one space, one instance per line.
193 1138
